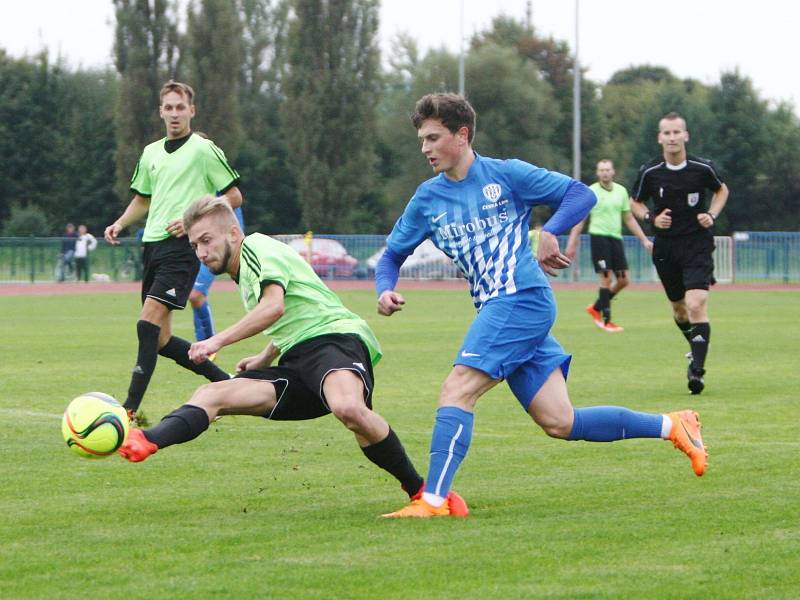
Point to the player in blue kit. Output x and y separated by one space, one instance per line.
477 210
198 298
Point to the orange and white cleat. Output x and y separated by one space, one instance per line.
685 436
453 506
137 447
612 327
595 314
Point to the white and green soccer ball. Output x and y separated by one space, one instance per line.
94 425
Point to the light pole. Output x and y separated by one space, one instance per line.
576 105
461 53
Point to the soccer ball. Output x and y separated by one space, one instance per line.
94 425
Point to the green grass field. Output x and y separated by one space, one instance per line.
254 509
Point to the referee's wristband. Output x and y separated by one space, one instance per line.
713 218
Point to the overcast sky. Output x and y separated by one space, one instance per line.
693 38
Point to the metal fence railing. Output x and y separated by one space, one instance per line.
745 257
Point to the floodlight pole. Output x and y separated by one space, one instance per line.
576 106
461 53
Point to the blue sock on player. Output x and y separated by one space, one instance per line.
203 323
610 423
452 434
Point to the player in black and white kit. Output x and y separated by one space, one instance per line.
676 184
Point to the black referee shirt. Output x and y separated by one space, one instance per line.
681 189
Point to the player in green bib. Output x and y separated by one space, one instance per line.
326 352
171 173
605 234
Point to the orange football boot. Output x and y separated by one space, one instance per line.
685 436
137 447
453 506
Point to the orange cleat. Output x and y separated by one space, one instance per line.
685 436
595 314
613 327
137 447
453 506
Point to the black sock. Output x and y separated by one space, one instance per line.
701 336
390 456
686 329
145 363
178 350
604 304
181 425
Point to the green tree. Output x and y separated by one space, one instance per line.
268 185
331 90
146 51
27 220
213 59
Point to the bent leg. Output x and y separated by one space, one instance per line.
232 397
553 412
344 394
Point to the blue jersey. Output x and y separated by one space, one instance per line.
481 223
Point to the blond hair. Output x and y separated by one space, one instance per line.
209 205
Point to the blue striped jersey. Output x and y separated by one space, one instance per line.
482 222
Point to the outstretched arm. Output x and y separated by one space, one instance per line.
137 209
269 309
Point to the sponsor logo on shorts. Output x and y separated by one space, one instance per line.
171 292
360 366
468 354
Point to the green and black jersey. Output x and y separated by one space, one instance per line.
173 180
310 308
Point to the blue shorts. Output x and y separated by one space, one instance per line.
203 281
510 339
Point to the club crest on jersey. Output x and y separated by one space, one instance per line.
693 198
492 191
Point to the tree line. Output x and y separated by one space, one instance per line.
317 122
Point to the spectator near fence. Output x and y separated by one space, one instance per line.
85 243
66 258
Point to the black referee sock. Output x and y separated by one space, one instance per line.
686 329
701 336
178 350
390 456
145 363
181 425
604 304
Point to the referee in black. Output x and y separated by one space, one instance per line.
675 183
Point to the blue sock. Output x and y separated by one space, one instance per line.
452 434
203 323
609 423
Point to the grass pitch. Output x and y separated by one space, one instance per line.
254 509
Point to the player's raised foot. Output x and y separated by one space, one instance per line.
595 314
685 436
695 376
453 506
612 327
138 418
137 447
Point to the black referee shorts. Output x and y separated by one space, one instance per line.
608 254
684 263
169 270
300 373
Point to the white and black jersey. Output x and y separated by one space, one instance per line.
680 188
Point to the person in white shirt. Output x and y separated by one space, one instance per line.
85 243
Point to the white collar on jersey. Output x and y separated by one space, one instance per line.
675 167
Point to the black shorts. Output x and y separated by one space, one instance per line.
169 270
608 254
300 373
684 263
